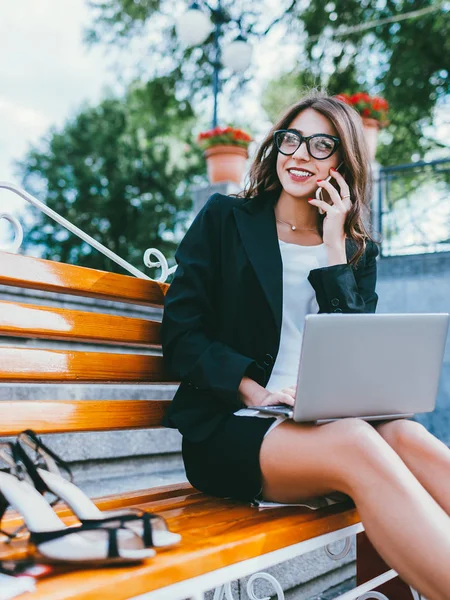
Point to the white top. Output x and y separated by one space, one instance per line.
299 299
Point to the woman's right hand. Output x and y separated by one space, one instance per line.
284 396
253 394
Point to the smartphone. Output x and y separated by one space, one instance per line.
321 194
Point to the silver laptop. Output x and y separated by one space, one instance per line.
372 366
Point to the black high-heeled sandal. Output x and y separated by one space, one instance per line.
45 472
51 541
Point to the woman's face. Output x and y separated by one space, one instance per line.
299 172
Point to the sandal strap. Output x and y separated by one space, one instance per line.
40 537
140 513
113 546
54 463
30 468
145 518
137 515
122 519
148 531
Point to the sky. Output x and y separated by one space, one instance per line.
46 72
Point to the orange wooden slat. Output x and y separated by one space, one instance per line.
182 492
30 364
50 276
58 416
27 320
216 533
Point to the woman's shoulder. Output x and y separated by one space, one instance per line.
224 203
371 250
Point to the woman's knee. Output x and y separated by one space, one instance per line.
403 435
363 455
355 434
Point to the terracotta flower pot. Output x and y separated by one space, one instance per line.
371 129
226 163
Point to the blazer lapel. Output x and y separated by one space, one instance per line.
257 227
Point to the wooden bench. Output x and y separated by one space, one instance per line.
222 540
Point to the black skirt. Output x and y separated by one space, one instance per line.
226 464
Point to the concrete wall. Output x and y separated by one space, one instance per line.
415 284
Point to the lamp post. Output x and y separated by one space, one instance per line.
194 27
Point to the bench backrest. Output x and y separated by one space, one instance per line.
25 364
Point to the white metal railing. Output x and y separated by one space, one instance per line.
221 579
149 254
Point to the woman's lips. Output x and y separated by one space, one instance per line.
299 175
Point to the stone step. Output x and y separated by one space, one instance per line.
83 391
14 294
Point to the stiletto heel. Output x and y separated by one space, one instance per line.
51 540
44 470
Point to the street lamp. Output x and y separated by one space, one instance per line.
194 27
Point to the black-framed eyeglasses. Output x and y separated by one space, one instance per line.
320 145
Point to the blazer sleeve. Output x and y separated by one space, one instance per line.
191 353
341 289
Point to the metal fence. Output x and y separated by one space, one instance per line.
411 211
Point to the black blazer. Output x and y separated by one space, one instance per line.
222 317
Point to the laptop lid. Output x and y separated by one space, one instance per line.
369 364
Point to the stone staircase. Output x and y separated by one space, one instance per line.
118 461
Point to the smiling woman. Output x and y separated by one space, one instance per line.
302 153
250 269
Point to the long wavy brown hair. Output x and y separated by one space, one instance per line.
263 176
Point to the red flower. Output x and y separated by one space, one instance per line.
379 103
343 98
223 135
367 106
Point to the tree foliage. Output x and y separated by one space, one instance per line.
119 171
117 22
343 45
406 61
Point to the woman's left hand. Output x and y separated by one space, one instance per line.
336 213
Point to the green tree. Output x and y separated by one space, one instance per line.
120 171
344 45
406 61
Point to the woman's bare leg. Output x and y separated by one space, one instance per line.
405 524
424 455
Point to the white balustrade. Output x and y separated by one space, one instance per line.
18 237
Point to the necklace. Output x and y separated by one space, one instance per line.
295 228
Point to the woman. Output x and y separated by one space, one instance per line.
249 269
